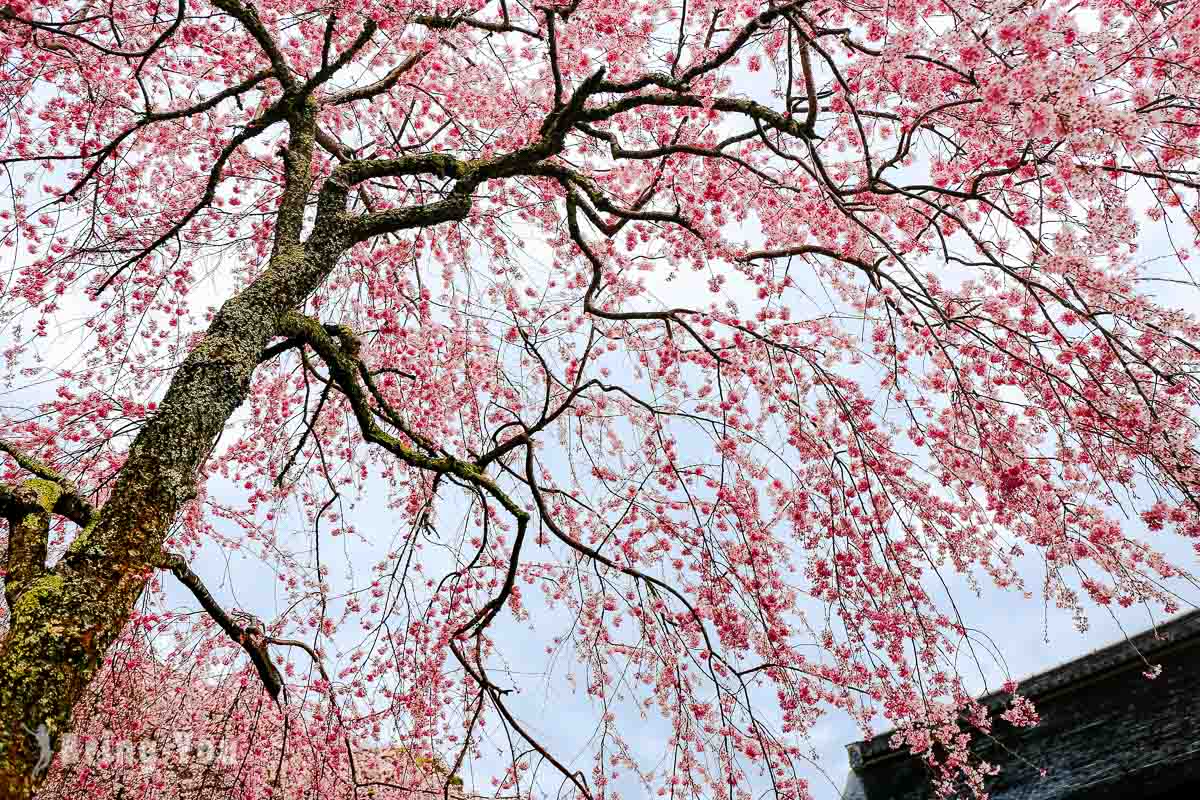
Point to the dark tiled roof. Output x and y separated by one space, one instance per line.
1102 724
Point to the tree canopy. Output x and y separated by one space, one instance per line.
687 358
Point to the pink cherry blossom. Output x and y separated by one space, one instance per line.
375 372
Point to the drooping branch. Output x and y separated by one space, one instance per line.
251 640
669 316
339 349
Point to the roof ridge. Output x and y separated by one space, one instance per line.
1103 659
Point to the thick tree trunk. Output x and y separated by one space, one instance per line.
64 619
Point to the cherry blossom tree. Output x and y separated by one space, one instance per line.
695 346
